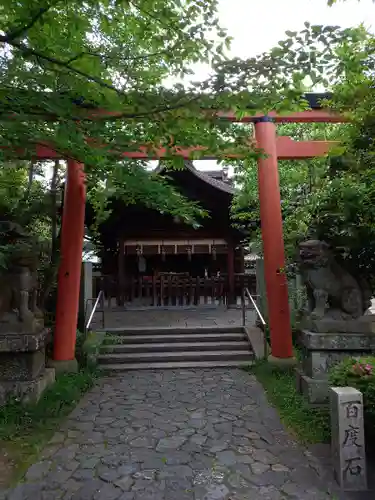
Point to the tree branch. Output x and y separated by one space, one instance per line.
176 29
21 30
161 109
39 56
133 59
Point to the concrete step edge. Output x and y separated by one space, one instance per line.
172 356
173 330
159 354
183 338
173 365
236 345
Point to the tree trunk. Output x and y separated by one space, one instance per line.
30 181
51 273
54 209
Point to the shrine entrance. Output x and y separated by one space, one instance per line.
184 273
152 259
270 210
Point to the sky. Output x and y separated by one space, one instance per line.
258 25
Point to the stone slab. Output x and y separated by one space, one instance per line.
66 366
317 364
348 438
23 342
176 317
315 391
10 325
337 341
257 341
29 391
21 366
322 351
282 363
365 324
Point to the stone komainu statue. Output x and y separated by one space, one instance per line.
331 290
18 286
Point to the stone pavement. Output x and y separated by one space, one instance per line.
173 317
175 435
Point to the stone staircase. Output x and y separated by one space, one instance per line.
200 347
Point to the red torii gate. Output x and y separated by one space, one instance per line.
72 232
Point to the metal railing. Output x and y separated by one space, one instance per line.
99 298
245 291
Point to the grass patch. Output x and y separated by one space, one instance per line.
25 429
308 425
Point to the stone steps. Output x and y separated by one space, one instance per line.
168 338
148 357
173 330
173 346
174 365
160 348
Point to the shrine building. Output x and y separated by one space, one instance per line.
151 259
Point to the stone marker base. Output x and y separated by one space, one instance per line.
321 351
22 366
365 324
66 366
27 391
315 391
282 363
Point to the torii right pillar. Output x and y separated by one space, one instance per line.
273 243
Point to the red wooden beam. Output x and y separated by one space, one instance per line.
287 149
47 153
308 116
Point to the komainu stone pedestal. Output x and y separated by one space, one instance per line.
325 344
23 372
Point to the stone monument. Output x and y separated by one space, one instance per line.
23 372
333 323
348 438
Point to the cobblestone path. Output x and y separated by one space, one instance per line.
174 435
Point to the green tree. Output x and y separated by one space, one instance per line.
342 210
338 205
299 182
31 200
63 60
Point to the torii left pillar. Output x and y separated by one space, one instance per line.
69 279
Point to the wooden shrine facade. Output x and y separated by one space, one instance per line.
152 259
